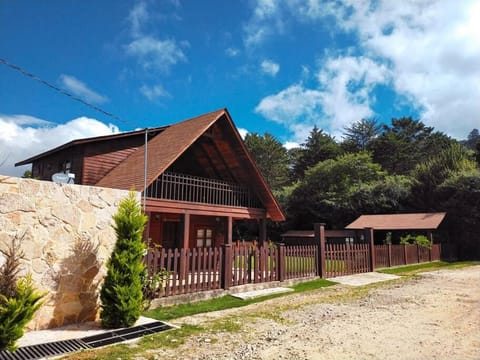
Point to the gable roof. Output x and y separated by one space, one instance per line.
170 144
87 141
416 221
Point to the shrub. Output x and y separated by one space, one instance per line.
18 299
420 240
121 293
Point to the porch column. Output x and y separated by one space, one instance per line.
262 236
186 230
229 238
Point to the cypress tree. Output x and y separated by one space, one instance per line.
121 294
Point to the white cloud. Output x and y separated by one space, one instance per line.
269 67
154 92
291 144
150 52
232 52
426 51
343 96
433 48
243 132
154 54
80 89
137 17
265 21
23 136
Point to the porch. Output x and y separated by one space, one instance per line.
187 211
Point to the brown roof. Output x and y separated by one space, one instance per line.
86 141
169 145
418 221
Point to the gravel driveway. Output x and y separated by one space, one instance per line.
433 316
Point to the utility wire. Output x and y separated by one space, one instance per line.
62 91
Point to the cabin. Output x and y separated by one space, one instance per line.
196 178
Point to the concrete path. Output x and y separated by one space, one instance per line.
363 279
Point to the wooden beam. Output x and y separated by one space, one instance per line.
182 207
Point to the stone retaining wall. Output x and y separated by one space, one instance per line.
66 234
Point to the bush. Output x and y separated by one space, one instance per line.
121 293
420 240
18 299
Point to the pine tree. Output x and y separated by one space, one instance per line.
121 293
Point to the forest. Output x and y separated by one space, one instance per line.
401 167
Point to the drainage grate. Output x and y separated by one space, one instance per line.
116 336
41 351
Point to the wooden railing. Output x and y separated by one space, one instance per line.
181 187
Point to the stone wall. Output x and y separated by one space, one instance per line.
66 235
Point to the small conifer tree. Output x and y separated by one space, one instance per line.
121 293
18 298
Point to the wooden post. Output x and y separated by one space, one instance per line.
229 238
418 254
319 232
262 236
389 255
281 262
370 240
430 237
184 248
186 230
405 253
226 280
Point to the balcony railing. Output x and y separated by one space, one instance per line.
195 189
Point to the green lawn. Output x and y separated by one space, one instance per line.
430 266
224 302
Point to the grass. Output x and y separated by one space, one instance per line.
431 266
225 302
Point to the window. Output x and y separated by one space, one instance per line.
204 237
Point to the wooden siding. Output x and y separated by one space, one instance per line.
43 169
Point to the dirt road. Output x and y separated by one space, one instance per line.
433 316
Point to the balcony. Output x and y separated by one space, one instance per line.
195 189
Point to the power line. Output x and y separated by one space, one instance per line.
62 91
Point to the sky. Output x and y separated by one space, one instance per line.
277 66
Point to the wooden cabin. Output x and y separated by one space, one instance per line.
196 178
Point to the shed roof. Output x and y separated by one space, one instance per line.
416 221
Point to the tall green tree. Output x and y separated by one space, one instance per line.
406 143
434 171
271 157
121 294
358 136
319 146
338 190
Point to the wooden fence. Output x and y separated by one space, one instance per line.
395 255
346 259
202 269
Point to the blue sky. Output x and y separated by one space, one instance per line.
278 66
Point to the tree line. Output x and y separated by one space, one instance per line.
404 166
